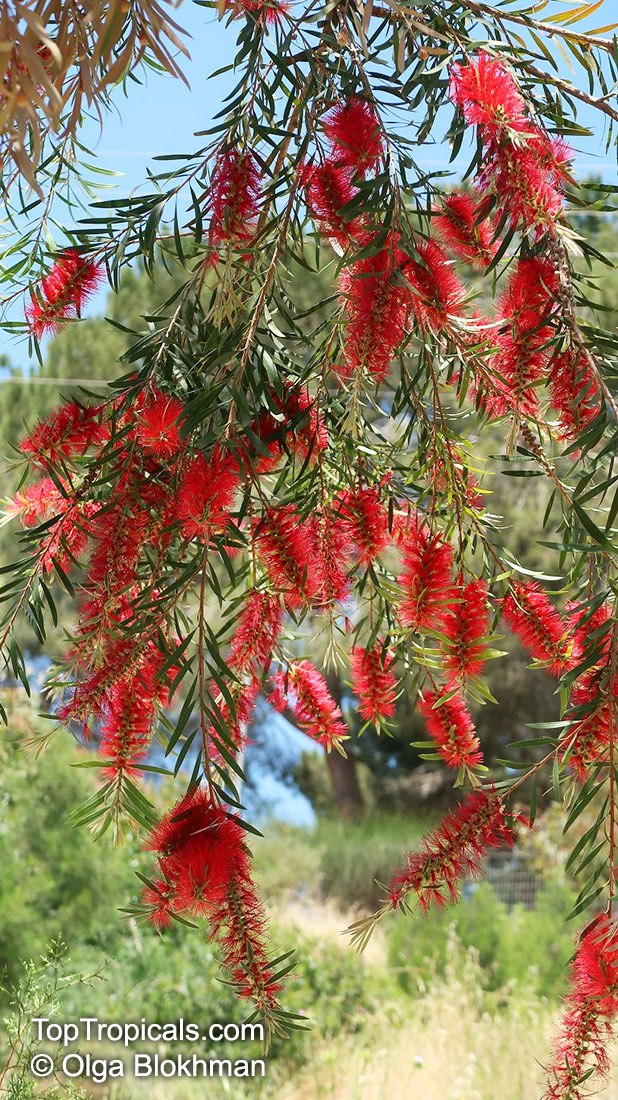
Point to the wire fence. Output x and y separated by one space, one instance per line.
511 877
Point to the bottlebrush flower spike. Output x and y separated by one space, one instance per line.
466 229
158 419
63 292
206 494
426 578
333 549
328 188
257 632
590 1009
365 518
268 11
522 358
465 625
488 96
200 850
373 681
575 393
285 543
525 184
585 742
67 538
376 304
37 502
313 707
127 727
234 198
353 130
530 614
301 432
437 294
69 431
453 850
450 726
205 872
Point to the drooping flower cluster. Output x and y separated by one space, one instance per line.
303 688
585 742
204 871
70 430
365 519
450 726
523 342
530 614
464 626
267 11
575 393
374 681
580 1049
63 292
257 631
466 228
454 850
426 579
522 167
234 197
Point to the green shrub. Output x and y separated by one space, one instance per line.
357 857
528 946
54 880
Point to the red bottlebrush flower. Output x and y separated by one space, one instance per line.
157 425
353 129
205 871
454 850
522 358
301 432
206 494
376 310
528 303
66 539
234 198
201 849
575 393
119 534
465 625
489 96
313 707
328 188
268 11
450 725
426 578
530 614
239 925
333 549
437 294
365 518
63 292
374 682
158 900
525 184
67 432
37 502
285 543
585 742
591 1006
466 229
127 727
257 632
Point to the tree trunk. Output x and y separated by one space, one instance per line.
343 771
344 781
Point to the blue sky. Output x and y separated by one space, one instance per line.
162 115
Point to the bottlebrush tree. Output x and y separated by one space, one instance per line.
313 470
